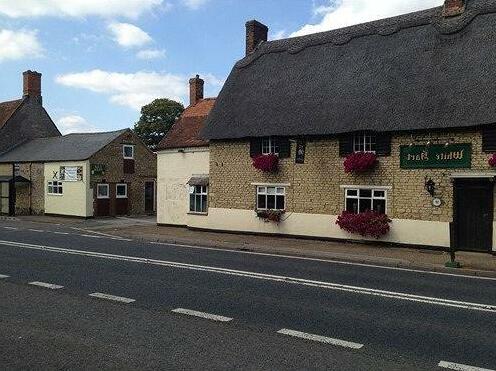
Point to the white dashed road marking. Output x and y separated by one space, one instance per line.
460 367
36 230
89 236
320 339
63 233
112 297
46 285
3 276
11 228
194 313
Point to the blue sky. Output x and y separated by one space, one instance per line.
102 59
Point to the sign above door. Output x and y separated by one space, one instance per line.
436 156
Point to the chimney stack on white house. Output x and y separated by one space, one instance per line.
32 85
195 90
256 33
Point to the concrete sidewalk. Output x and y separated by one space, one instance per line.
144 229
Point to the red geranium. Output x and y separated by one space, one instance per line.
359 162
268 163
368 223
492 160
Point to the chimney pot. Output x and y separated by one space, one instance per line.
453 8
32 85
195 90
256 33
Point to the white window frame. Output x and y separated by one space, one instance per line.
372 197
117 193
106 185
124 146
55 184
364 142
263 190
203 192
269 146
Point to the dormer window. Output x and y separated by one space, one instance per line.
364 142
270 146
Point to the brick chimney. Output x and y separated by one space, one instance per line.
32 85
453 8
195 90
256 33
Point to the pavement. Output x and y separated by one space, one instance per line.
145 229
75 299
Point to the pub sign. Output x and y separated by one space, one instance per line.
436 156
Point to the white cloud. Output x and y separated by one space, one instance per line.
136 89
19 44
78 8
194 4
148 54
349 12
75 124
128 35
279 35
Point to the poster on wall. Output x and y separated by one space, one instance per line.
71 173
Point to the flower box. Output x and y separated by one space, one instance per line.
367 224
492 160
359 162
273 216
267 163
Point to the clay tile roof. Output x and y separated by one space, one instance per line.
186 131
7 109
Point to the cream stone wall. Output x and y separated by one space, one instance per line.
77 197
5 169
174 170
315 194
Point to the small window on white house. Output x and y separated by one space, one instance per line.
271 198
269 146
198 199
359 200
364 142
55 188
121 190
128 151
102 191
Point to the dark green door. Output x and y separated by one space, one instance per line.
473 214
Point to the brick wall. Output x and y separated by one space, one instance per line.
315 185
145 169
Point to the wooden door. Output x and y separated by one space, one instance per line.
473 214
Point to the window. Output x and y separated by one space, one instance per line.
121 190
198 199
364 142
102 191
359 200
270 146
271 198
128 151
55 188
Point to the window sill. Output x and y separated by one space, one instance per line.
55 194
197 213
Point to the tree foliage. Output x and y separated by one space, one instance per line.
156 120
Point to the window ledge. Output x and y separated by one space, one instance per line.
198 214
55 194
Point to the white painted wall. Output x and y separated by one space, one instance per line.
77 197
174 169
415 232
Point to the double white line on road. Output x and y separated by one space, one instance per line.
460 367
46 285
266 277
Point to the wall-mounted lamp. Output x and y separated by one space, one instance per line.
430 186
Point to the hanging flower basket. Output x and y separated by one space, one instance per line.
492 160
367 224
273 216
359 162
267 163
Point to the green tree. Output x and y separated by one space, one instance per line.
156 120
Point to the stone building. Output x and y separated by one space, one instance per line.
416 92
183 163
82 175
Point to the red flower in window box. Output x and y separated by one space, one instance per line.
358 162
270 215
492 160
368 223
268 163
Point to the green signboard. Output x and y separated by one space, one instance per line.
436 156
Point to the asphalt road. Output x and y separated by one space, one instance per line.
350 316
